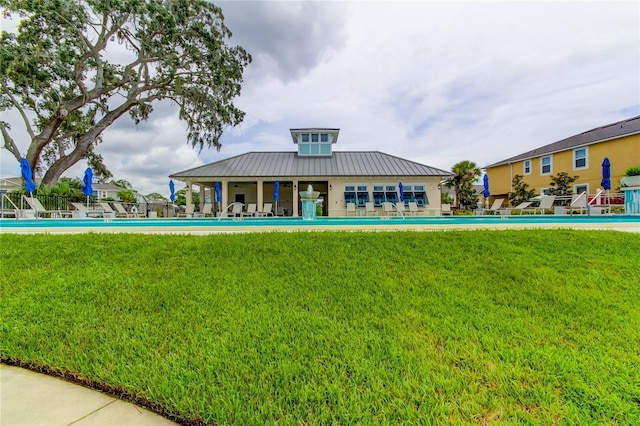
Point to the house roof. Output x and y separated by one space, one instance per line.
290 164
610 131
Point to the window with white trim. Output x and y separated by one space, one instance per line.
314 144
527 167
580 158
579 189
545 165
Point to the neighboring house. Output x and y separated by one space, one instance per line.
340 177
105 190
580 155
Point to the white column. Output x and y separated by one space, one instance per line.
260 194
224 188
189 194
295 198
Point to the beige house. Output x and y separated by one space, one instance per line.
341 177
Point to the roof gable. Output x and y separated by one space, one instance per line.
610 131
290 164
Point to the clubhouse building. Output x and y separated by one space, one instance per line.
341 177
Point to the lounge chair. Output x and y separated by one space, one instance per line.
108 212
266 210
121 211
495 207
546 203
413 208
207 211
351 209
251 210
578 203
445 210
237 209
39 209
522 206
387 208
188 211
83 211
400 208
370 207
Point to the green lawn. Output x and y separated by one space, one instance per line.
539 326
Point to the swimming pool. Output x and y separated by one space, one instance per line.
209 225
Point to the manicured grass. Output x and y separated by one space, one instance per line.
539 326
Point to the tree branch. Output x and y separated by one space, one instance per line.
9 143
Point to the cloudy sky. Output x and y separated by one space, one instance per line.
435 82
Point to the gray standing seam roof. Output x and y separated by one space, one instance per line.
290 164
610 131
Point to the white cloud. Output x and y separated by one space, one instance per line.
434 82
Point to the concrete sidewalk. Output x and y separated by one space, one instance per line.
28 398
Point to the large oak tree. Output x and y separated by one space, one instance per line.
73 67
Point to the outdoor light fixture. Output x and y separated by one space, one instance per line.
295 186
330 187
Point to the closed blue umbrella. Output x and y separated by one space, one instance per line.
88 181
606 174
401 190
486 193
172 188
276 194
29 184
218 195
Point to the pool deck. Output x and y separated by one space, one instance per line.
212 226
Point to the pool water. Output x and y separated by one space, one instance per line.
320 222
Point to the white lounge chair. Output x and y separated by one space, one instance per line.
351 209
578 203
237 209
522 206
369 207
387 208
207 211
495 207
39 210
251 210
107 211
266 210
445 210
83 211
121 211
413 208
400 208
188 211
546 203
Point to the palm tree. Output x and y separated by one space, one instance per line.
465 174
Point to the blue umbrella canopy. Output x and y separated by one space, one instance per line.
485 182
401 190
606 174
218 197
29 184
88 181
276 191
172 188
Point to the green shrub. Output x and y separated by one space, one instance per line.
632 171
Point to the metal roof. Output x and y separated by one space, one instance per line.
610 131
290 164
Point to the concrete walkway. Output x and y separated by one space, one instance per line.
28 398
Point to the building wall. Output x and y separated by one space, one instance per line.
622 152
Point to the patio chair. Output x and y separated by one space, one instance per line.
400 208
207 211
369 207
108 212
413 208
546 203
495 207
578 203
251 210
266 210
188 211
387 208
236 211
522 206
83 211
40 210
445 210
121 211
351 209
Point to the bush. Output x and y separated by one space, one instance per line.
632 171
